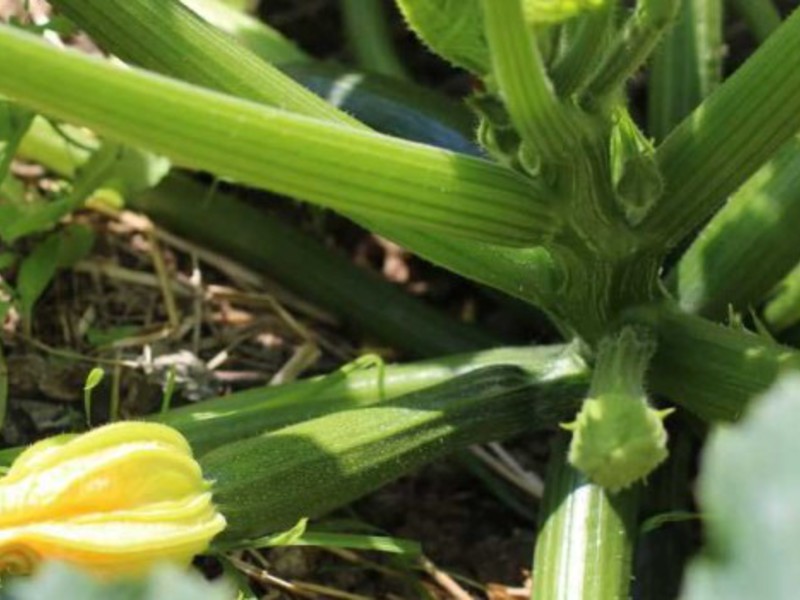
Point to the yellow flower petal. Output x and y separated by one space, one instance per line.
114 501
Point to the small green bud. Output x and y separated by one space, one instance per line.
617 440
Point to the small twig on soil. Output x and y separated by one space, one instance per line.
304 357
266 578
532 478
444 581
506 472
165 281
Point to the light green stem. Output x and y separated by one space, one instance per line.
783 311
686 67
711 370
519 72
370 38
255 35
108 21
748 246
633 46
581 58
350 170
730 136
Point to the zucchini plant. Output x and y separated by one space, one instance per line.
639 243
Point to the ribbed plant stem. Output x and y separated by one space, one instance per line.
711 370
107 22
632 47
730 136
257 36
585 544
748 247
354 171
686 67
520 74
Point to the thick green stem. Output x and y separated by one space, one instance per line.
762 16
686 67
711 370
255 35
730 136
633 46
183 34
585 544
370 38
519 72
574 67
748 247
350 170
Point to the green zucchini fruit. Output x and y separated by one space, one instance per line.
267 483
394 107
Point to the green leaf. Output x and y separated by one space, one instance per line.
750 493
59 250
127 171
56 580
76 243
14 122
453 29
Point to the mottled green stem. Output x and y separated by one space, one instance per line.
585 544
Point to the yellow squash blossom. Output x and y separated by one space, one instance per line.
113 501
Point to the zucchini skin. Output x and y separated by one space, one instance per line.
393 107
267 483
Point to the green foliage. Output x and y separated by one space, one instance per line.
14 122
750 499
451 28
58 250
